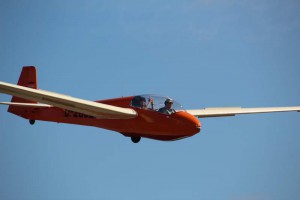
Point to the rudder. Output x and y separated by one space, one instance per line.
28 78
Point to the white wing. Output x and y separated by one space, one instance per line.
91 108
232 111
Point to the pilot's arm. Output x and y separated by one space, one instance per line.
150 101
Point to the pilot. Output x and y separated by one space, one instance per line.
146 106
168 107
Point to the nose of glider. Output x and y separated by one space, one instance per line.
193 125
198 127
197 124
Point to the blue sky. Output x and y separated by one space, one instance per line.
204 53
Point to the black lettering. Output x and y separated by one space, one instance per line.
69 113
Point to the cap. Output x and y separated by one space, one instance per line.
168 100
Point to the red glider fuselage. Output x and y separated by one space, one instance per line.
147 123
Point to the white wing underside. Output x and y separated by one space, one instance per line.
32 105
232 111
50 99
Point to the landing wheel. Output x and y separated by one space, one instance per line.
31 121
135 139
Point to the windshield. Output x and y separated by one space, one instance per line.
144 101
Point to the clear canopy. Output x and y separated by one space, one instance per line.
144 101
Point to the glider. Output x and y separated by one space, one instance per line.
141 116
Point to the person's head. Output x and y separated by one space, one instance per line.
168 103
143 102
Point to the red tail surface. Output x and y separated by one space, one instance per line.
28 78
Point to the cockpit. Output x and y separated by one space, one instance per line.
154 103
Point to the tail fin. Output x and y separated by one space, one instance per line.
28 78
